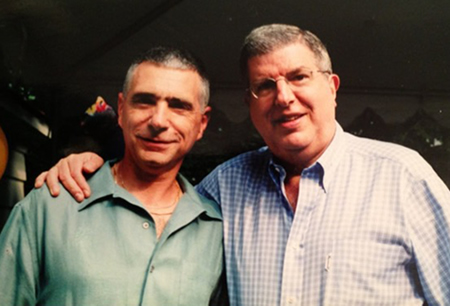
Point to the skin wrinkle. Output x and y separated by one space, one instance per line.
313 106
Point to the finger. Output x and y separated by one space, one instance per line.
40 180
65 175
93 163
52 181
77 165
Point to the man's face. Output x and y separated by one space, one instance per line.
161 116
294 120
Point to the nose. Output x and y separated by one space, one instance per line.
284 95
159 118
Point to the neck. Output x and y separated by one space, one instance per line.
295 160
152 190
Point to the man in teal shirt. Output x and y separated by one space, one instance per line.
144 237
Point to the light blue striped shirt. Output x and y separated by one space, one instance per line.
371 228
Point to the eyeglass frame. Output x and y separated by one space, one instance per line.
275 81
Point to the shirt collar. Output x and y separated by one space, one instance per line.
326 164
192 200
103 177
102 185
332 156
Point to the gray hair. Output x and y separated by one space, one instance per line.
171 57
267 38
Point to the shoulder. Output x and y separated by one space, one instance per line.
251 160
39 210
236 170
210 206
391 154
234 173
40 200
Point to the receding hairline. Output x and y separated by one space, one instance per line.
268 38
171 63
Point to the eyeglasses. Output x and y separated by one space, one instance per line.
296 80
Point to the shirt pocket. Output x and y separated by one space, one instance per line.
367 272
197 283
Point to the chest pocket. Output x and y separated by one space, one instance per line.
363 272
197 284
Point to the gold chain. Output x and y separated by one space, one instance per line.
160 211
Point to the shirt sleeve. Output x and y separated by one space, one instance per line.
18 261
428 218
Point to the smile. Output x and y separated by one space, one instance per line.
288 121
154 144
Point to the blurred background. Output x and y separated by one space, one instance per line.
58 56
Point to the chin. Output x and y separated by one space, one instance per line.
153 161
296 141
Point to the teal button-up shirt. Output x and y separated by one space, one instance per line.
55 251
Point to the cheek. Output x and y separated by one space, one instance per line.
329 107
137 119
255 117
185 127
321 104
258 112
261 125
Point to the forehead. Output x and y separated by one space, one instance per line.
166 82
281 61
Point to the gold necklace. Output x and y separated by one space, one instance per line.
166 210
159 211
160 215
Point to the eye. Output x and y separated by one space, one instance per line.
180 104
264 86
299 78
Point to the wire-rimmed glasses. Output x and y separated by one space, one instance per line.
297 79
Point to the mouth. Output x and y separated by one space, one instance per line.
154 143
288 120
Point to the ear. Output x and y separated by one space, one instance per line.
204 121
334 83
120 106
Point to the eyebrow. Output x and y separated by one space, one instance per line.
288 74
179 103
143 97
298 69
146 97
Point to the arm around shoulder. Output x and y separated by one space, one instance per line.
70 172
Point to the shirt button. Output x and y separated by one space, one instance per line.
291 300
295 246
145 225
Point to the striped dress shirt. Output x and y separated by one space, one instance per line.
371 228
